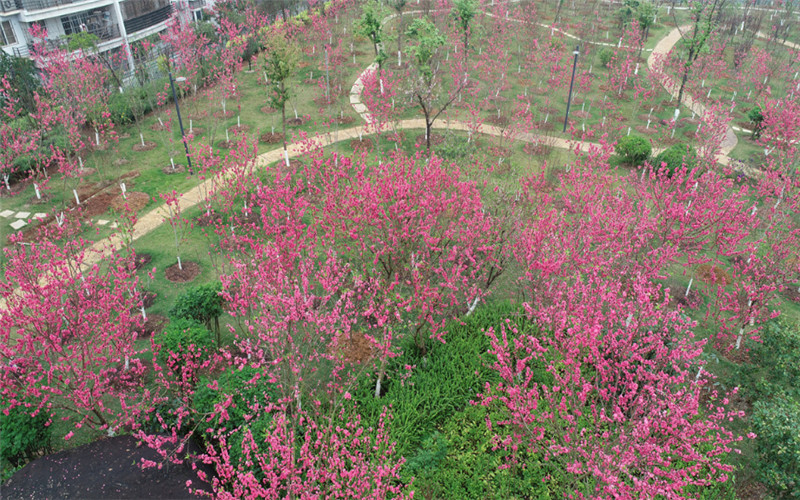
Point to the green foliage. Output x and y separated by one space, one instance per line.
676 157
445 378
461 462
23 436
463 12
247 386
21 73
281 57
370 24
757 117
120 108
179 335
81 40
456 148
606 55
633 149
777 424
201 303
428 39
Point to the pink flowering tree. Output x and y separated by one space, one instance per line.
68 329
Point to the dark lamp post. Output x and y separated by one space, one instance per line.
180 121
576 52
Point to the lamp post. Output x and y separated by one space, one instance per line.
180 121
576 52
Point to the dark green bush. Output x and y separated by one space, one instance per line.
248 386
455 148
201 303
676 157
633 149
757 117
445 378
120 108
23 437
179 335
461 462
777 424
605 55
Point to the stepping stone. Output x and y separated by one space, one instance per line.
17 224
114 225
39 215
6 213
22 215
102 222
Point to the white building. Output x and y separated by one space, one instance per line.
114 22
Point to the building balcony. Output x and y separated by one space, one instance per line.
104 34
147 20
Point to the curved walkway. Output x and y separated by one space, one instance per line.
153 219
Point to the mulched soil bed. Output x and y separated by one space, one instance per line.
713 275
226 114
190 271
107 468
436 139
791 293
642 129
121 161
344 120
97 204
158 127
499 121
154 325
148 146
179 169
135 201
238 129
148 299
354 348
536 149
142 259
361 144
84 172
295 122
196 131
226 144
270 138
204 220
268 110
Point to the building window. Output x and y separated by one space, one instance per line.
7 33
75 23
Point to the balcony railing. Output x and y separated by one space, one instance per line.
103 34
10 5
148 20
42 4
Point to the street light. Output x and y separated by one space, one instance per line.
576 52
180 122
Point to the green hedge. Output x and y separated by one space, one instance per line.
633 149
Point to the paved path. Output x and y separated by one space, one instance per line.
151 220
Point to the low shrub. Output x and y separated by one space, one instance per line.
24 437
633 149
183 338
676 157
776 423
605 56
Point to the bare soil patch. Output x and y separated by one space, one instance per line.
268 110
98 204
239 129
135 201
147 146
361 144
499 121
713 275
436 139
169 170
295 122
221 114
271 138
154 325
190 271
141 259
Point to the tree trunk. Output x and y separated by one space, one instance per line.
283 117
